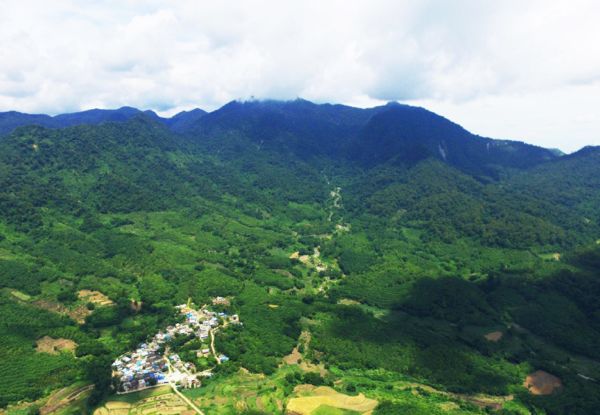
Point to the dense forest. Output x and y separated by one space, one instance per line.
413 240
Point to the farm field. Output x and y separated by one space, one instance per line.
154 401
324 400
240 392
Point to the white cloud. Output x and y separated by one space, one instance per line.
519 69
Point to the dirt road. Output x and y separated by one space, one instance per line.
181 395
212 346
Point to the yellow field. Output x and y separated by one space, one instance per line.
162 403
326 396
95 297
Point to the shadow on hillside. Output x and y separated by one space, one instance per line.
436 333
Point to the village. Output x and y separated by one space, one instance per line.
152 364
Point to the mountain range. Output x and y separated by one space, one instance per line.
374 135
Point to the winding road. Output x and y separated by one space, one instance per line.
181 395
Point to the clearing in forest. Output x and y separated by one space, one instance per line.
95 297
78 313
318 398
542 383
54 346
494 336
293 358
20 295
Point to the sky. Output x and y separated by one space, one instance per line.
526 70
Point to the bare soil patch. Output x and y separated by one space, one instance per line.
54 346
136 306
78 313
542 383
311 367
305 259
494 336
293 358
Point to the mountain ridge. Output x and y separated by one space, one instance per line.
184 120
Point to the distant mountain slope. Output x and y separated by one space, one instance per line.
136 165
299 127
179 123
569 188
408 134
395 162
391 133
183 120
12 119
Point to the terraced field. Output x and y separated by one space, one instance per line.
154 401
243 391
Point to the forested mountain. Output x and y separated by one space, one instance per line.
408 134
182 121
12 119
384 243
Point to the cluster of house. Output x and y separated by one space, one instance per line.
140 369
203 321
146 366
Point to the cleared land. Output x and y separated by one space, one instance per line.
20 295
95 297
542 383
54 346
78 313
494 336
319 399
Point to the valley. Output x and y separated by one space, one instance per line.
293 258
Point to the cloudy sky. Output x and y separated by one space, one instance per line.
527 70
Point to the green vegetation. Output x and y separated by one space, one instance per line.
417 261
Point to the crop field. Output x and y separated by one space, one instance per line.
240 392
95 297
155 401
321 399
330 410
